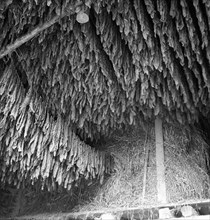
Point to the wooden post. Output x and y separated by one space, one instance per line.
161 185
146 150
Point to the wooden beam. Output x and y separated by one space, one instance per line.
64 217
25 38
161 185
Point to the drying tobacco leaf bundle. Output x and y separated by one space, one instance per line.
36 146
132 61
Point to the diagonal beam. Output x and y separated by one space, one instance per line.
27 37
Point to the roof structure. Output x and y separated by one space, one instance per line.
132 60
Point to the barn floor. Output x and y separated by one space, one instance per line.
65 217
126 214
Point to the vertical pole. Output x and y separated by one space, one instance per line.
146 150
161 185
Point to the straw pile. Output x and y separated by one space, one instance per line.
186 162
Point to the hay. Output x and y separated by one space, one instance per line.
186 172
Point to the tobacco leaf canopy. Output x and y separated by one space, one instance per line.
132 60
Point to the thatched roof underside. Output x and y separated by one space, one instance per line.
133 60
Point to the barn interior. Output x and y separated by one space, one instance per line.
86 88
